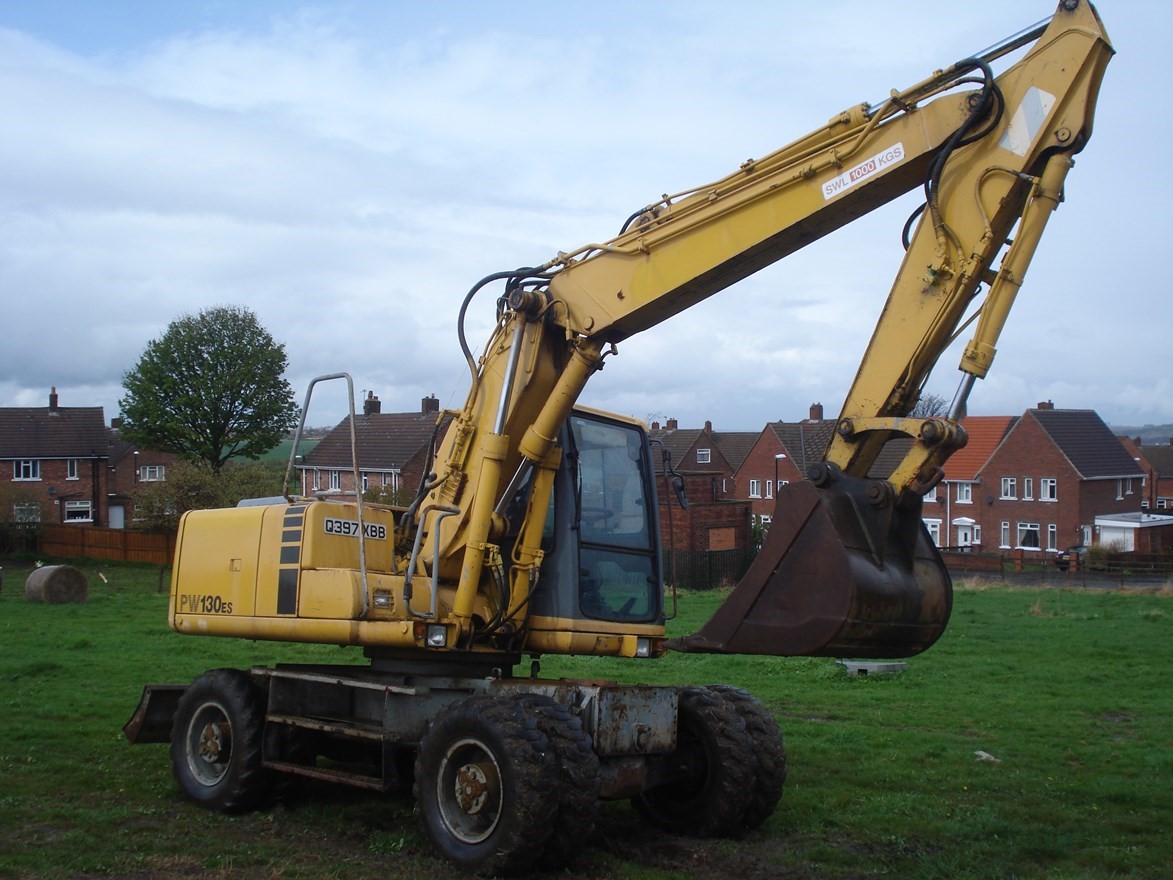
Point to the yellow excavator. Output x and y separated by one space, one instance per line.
535 530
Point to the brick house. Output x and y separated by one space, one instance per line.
951 509
130 467
393 450
1157 463
1049 478
706 461
56 461
781 454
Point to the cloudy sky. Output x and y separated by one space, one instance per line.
348 170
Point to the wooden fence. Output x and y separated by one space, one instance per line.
125 545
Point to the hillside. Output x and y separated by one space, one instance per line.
1150 435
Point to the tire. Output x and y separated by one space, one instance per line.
769 754
485 782
578 779
216 742
715 753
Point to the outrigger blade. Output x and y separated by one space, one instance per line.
846 570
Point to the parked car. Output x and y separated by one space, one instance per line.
1077 552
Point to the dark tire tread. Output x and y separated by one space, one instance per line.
769 776
246 784
714 803
530 789
578 778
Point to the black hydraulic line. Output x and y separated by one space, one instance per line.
990 93
957 139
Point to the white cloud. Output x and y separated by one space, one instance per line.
349 173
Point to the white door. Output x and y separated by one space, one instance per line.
117 516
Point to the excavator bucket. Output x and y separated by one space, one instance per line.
846 570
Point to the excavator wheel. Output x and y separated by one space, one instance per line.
486 785
769 755
578 778
714 757
216 742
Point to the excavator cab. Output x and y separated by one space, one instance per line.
602 569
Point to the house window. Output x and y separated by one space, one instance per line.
755 488
965 493
1052 536
1009 488
1004 540
26 469
364 482
335 480
931 495
702 456
71 469
934 527
769 488
26 512
1028 488
78 511
1028 536
1048 489
152 473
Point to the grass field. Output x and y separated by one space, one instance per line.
1067 692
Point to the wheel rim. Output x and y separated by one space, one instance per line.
209 744
468 791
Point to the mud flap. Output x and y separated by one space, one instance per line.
845 571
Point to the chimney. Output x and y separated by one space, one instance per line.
816 412
671 425
430 405
53 399
1046 404
116 423
708 427
655 426
372 406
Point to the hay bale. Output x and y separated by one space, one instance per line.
56 585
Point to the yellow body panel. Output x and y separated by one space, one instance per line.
236 569
216 559
560 635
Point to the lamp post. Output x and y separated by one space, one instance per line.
777 458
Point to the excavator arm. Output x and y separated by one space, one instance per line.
846 568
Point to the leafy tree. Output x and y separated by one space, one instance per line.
211 388
196 486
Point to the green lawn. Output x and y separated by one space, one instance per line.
1067 692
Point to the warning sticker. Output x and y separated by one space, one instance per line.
1027 121
892 155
